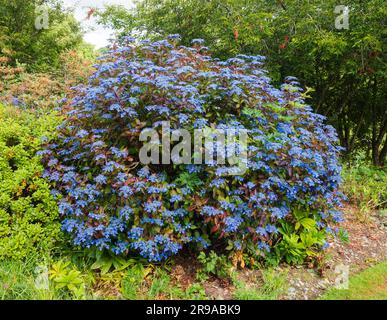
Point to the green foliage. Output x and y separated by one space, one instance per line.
189 180
343 236
195 292
213 264
134 281
216 21
150 282
299 241
18 281
40 50
108 286
105 262
366 188
66 278
28 213
161 282
274 284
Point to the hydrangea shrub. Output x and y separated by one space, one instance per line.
282 205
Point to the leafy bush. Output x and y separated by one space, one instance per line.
113 202
28 213
213 264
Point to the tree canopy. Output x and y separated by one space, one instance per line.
38 48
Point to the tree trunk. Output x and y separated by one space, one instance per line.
383 154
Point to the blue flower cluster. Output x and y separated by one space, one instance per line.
110 201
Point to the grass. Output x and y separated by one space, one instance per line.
370 284
22 280
143 283
274 284
18 282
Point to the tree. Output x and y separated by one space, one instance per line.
38 48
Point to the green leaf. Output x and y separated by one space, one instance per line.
308 223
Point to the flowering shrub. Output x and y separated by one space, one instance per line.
281 206
29 219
